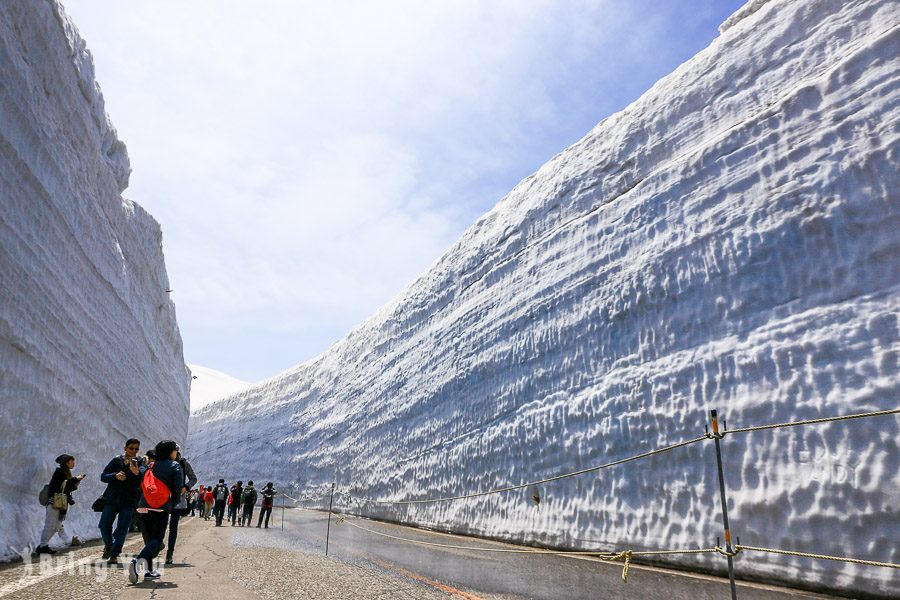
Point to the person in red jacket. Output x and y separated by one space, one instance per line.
208 500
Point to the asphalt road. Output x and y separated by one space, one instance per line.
479 574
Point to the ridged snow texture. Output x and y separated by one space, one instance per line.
729 241
90 352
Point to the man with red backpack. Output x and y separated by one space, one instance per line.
160 488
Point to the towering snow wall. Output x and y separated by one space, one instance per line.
731 240
90 353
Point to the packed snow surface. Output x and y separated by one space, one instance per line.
729 241
209 385
90 353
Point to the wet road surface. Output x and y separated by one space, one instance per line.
474 574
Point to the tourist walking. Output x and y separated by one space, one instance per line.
138 518
122 477
192 501
59 499
268 500
220 493
248 501
234 501
208 500
181 507
161 485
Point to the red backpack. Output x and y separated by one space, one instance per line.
156 493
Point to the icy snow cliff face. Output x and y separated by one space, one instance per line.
90 353
729 241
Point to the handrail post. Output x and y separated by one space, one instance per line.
328 531
282 511
728 548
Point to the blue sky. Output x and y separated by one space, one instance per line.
308 160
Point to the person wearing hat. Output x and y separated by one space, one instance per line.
62 482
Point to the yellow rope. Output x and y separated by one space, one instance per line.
859 561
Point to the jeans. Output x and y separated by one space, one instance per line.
267 511
173 531
219 511
115 540
232 513
155 524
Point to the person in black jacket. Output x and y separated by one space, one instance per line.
181 506
61 482
234 501
168 472
220 495
122 477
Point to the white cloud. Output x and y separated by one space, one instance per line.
307 160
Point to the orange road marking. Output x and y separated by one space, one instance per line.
435 584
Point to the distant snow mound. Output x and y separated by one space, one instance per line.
742 13
209 385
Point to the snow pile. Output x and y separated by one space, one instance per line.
90 353
731 240
209 385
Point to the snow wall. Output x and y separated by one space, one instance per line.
731 240
90 353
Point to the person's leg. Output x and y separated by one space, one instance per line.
51 524
126 513
173 534
268 514
142 527
155 523
262 511
106 526
249 510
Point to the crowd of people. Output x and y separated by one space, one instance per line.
152 492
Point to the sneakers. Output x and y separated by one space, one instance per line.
107 552
45 550
154 574
133 571
112 559
75 541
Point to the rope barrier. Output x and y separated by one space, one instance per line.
858 561
706 436
607 556
877 413
548 479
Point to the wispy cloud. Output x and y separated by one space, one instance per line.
307 160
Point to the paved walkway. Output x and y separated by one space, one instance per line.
249 563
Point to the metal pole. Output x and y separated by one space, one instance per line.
328 531
717 436
282 511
